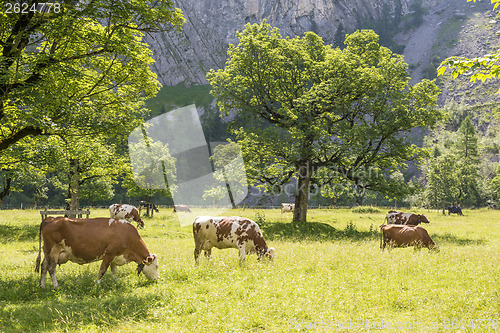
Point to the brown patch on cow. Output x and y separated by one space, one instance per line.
197 227
256 236
223 230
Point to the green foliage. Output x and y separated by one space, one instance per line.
229 171
83 69
480 68
442 181
302 106
82 73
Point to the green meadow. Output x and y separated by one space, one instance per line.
329 275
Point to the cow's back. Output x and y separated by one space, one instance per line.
88 239
205 229
406 235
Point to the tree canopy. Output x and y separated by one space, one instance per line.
77 70
301 107
82 68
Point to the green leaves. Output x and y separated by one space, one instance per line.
296 102
479 68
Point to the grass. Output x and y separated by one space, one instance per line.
327 272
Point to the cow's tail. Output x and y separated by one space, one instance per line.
39 258
385 222
381 237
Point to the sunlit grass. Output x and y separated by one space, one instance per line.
329 271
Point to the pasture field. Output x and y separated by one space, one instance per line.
329 275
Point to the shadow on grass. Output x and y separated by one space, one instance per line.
21 233
78 302
315 231
452 239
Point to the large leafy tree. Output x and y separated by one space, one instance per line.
79 69
84 67
301 106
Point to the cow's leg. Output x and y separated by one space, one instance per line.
243 254
106 261
196 255
113 270
51 267
43 274
383 242
197 249
208 254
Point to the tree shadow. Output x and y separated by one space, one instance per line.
78 302
18 233
314 231
452 239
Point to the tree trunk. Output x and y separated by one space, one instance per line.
302 193
73 187
6 189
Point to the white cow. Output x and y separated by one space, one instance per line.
287 207
229 232
126 212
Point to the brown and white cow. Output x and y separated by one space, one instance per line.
181 208
394 217
287 207
115 242
394 235
229 232
126 212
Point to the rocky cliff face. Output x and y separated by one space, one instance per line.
211 25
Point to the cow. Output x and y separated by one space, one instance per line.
149 206
405 218
395 235
126 212
287 207
229 232
115 242
181 208
455 210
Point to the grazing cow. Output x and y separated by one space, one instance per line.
405 235
405 218
149 206
115 242
287 207
229 232
455 210
126 212
181 208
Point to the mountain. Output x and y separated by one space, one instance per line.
211 26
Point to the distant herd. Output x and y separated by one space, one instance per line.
116 241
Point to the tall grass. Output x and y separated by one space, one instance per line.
327 272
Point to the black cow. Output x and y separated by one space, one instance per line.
455 210
150 207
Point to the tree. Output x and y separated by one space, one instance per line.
82 66
300 105
481 68
468 161
442 181
78 69
229 173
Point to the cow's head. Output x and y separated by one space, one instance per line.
268 253
149 267
423 219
